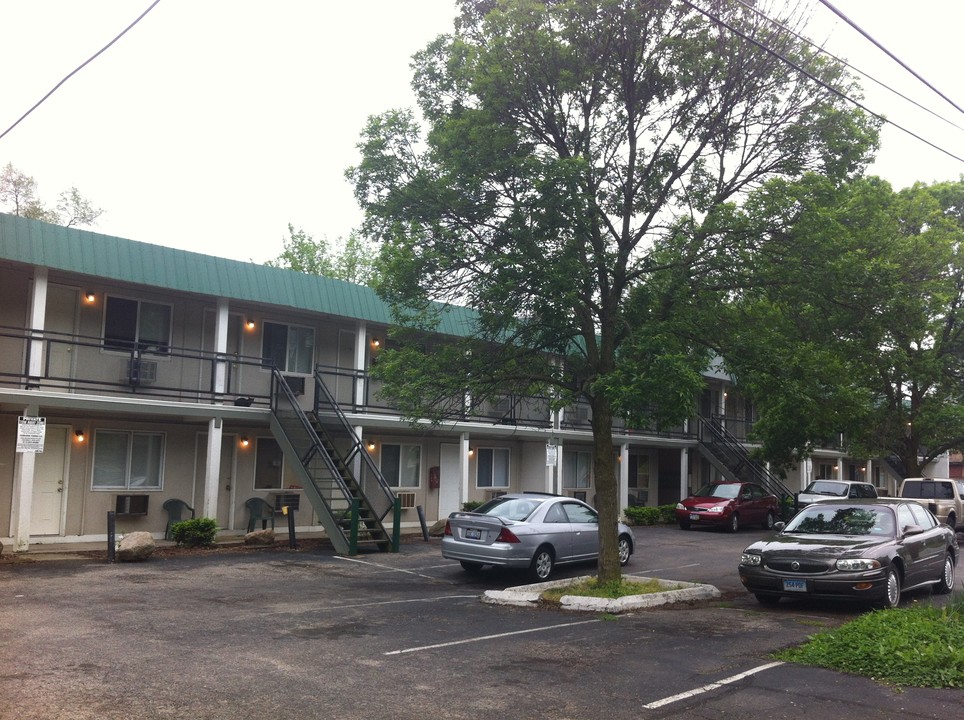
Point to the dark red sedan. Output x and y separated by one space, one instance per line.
728 505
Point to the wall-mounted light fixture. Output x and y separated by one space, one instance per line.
245 442
376 343
89 296
471 452
79 435
370 444
249 324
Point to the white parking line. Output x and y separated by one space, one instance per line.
488 637
711 686
384 567
656 570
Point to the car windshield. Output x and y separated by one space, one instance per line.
510 508
816 520
821 487
727 491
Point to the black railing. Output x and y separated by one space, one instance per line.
731 455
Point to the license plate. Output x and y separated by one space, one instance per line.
473 534
795 585
694 516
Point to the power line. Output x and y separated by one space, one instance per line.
829 5
843 62
79 68
815 79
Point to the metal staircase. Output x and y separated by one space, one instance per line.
339 478
728 455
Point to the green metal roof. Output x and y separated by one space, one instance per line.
104 256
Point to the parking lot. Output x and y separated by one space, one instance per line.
287 634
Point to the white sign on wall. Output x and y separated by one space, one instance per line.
30 434
552 455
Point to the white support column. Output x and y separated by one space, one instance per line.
463 468
22 493
361 362
869 471
212 469
38 311
684 472
221 347
840 469
623 476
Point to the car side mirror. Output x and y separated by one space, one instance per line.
913 529
778 526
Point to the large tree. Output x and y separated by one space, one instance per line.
18 191
353 262
854 326
574 188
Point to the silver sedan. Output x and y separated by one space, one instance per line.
532 531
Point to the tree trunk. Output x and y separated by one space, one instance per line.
607 486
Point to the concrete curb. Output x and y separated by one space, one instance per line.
676 591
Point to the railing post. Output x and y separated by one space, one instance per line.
396 524
353 531
111 536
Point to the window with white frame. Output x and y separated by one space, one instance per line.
268 464
492 467
638 479
576 469
290 348
128 460
137 325
401 464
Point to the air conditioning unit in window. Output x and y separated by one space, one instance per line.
492 494
141 372
407 499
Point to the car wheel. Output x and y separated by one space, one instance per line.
767 599
541 567
684 524
768 522
625 549
734 522
946 583
952 521
892 598
472 567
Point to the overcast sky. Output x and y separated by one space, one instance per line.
213 124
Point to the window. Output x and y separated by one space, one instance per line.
638 479
128 460
576 469
290 348
401 465
135 325
492 468
580 514
268 465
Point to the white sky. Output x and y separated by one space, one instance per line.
212 124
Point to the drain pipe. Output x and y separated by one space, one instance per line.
421 519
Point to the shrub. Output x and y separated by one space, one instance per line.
197 532
471 505
662 515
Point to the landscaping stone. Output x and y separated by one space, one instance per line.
135 547
259 537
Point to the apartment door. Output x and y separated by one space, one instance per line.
343 386
450 479
50 483
60 321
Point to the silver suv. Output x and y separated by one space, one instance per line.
835 490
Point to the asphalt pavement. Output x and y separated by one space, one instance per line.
308 634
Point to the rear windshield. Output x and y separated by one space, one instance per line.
510 508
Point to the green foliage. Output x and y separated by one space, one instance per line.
354 262
920 646
196 532
612 589
662 515
18 192
471 505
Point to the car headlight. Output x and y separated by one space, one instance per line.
751 559
716 509
857 564
680 506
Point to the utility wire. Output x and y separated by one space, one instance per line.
817 80
79 68
829 5
843 62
